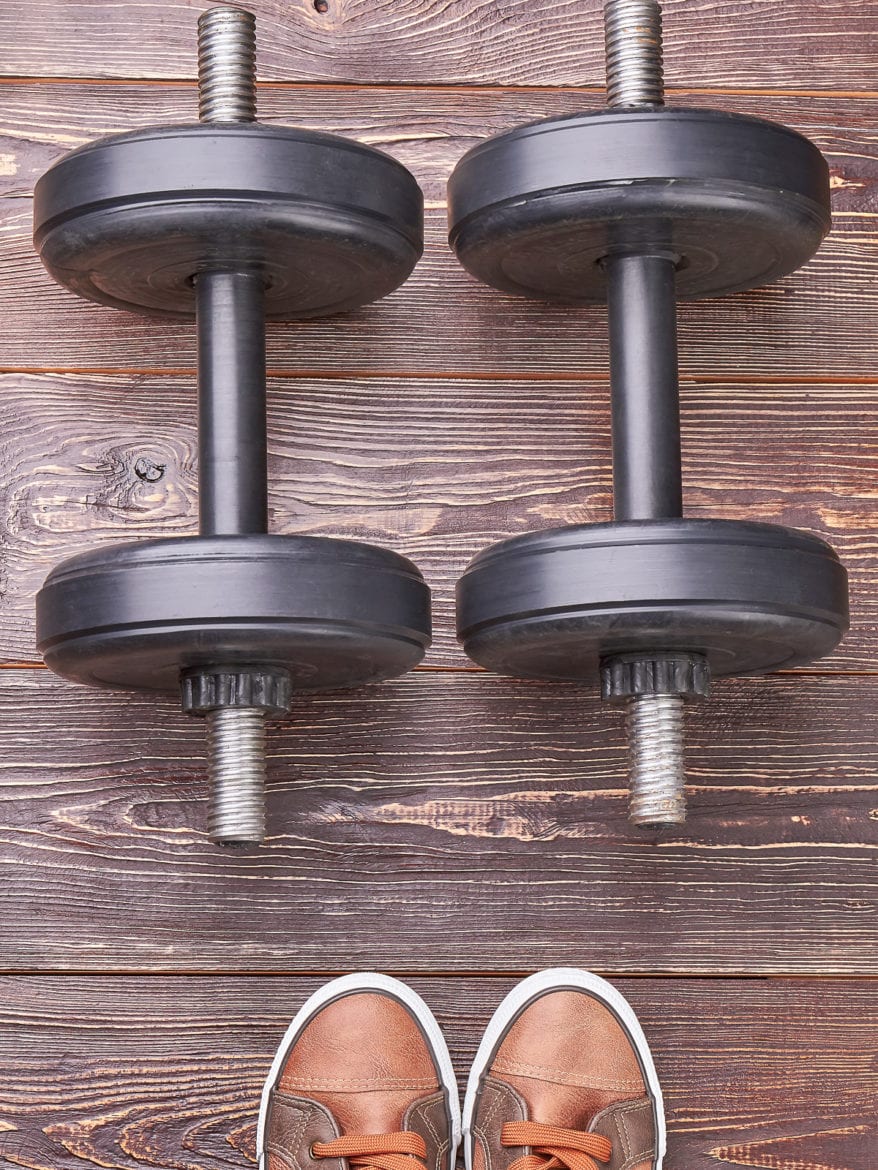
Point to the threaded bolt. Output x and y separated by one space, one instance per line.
235 734
227 65
235 702
236 760
633 35
655 745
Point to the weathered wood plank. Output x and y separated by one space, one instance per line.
453 812
479 821
525 42
816 323
427 130
166 1072
435 469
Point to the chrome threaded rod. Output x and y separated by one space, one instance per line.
633 35
655 745
236 759
236 733
227 65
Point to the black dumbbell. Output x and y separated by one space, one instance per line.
637 205
234 222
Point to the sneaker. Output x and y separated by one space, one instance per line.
563 1077
362 1081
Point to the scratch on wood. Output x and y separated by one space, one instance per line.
835 1149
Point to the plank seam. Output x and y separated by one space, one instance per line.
419 973
560 378
599 91
478 670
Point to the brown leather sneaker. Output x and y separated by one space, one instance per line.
563 1078
362 1081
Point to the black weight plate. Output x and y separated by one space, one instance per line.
334 613
128 221
738 200
751 597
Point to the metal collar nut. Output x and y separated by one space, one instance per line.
270 691
625 676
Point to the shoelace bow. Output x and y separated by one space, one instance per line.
554 1147
377 1151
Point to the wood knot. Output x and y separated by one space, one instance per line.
149 471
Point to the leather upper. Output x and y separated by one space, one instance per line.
361 1065
566 1061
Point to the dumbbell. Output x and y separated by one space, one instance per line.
232 222
636 205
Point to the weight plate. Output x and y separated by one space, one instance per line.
334 613
129 221
751 597
738 200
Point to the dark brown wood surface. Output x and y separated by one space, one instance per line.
166 1072
441 321
446 821
517 42
435 469
452 827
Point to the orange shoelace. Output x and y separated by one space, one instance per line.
377 1151
554 1147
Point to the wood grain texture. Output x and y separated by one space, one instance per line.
816 323
428 130
166 1073
426 824
827 1149
523 42
450 821
437 469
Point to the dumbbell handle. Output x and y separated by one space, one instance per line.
232 485
642 310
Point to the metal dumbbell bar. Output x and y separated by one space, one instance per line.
232 222
235 222
636 206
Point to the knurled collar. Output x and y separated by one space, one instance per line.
624 676
203 690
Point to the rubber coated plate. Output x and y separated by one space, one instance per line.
334 613
130 220
737 200
752 597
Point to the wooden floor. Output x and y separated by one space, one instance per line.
452 827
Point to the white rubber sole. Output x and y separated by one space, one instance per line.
368 981
557 979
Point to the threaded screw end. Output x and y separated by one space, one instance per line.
236 761
227 65
633 34
655 744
